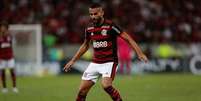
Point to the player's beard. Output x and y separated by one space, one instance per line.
97 21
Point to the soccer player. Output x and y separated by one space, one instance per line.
124 52
6 56
102 34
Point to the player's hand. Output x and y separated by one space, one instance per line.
67 67
143 57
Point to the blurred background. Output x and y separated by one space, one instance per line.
47 33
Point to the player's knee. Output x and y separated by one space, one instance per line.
106 84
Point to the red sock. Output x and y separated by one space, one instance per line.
13 75
113 93
80 97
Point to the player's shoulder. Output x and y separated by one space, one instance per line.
89 26
107 21
111 23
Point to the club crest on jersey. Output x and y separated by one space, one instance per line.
104 32
92 34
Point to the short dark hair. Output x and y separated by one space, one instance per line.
95 5
4 23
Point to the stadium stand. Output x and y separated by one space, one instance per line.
145 20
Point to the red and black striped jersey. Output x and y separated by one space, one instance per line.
6 51
104 41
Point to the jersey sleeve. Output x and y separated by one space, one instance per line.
116 29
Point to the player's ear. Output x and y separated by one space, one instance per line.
102 12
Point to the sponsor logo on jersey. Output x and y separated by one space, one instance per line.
100 44
104 32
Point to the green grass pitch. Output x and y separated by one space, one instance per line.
149 87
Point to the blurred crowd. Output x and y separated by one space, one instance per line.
145 20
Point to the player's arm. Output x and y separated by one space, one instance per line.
134 46
83 48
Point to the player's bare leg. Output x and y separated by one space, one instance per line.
13 77
85 86
3 78
107 85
